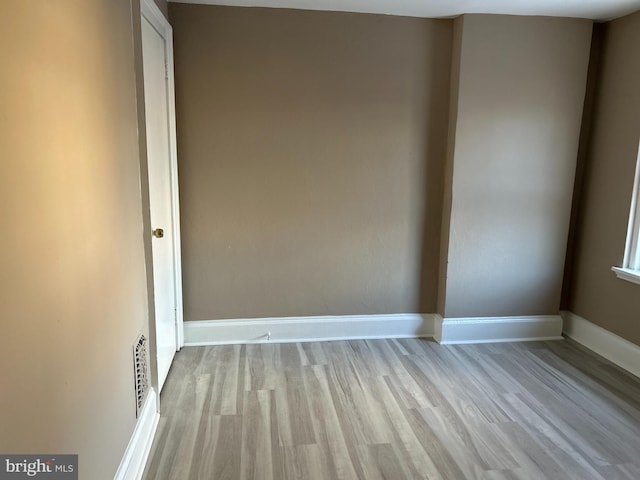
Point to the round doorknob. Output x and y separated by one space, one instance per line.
158 233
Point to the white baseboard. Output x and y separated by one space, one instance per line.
609 345
450 331
307 329
135 456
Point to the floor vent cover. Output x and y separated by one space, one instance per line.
141 372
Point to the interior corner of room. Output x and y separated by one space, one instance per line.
341 175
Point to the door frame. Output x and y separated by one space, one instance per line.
150 11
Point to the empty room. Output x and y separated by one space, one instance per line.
285 239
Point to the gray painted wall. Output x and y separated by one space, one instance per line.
311 150
596 293
521 90
263 140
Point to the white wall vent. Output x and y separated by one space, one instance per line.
141 372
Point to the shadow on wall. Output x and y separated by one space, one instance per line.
437 112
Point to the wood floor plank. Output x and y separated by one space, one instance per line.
256 437
581 424
277 458
472 444
292 400
538 422
381 462
226 461
621 383
609 396
417 462
515 474
327 425
357 411
205 449
533 457
396 409
261 372
438 453
625 471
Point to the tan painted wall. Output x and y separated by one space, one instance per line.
72 272
597 294
311 149
521 92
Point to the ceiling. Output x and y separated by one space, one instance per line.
593 9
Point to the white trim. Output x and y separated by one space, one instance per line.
609 345
437 327
627 274
137 452
150 11
175 196
450 331
631 259
307 329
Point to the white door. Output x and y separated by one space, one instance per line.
160 125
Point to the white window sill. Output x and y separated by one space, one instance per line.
627 274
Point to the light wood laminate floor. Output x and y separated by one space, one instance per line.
396 409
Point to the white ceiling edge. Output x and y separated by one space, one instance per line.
590 9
